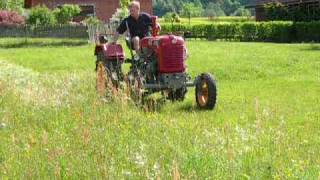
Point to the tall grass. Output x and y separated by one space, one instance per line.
266 124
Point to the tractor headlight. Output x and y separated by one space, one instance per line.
174 40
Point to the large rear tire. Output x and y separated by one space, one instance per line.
206 91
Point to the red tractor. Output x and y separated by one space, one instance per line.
161 67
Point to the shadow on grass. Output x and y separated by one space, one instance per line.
25 44
312 47
189 108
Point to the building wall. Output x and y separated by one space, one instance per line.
103 8
146 6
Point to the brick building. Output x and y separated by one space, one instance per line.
103 9
311 6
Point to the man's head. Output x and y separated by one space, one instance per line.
134 8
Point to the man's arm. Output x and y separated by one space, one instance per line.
120 30
115 37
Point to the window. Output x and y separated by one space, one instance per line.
87 10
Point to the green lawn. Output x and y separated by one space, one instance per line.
265 125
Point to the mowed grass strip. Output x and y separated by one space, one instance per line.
265 125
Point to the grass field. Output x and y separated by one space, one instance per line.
265 125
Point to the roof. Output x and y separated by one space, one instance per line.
254 3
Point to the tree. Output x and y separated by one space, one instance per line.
160 7
124 3
242 12
191 10
171 17
230 6
65 14
213 10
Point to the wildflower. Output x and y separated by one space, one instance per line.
3 125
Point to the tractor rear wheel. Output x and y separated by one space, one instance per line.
206 91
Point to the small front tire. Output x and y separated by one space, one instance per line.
206 91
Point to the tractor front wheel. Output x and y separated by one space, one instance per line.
206 91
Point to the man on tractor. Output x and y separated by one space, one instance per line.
137 24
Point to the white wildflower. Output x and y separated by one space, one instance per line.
139 160
3 125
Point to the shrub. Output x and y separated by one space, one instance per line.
307 31
10 18
248 31
91 21
282 32
171 17
41 15
65 14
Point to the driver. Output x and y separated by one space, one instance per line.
138 23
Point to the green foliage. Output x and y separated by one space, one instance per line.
191 10
124 4
229 7
121 12
91 21
300 12
160 7
307 31
41 15
65 13
213 10
171 17
276 31
12 5
276 11
242 12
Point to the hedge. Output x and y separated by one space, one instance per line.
275 31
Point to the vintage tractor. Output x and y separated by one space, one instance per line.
161 67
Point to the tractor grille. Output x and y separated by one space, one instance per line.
173 59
